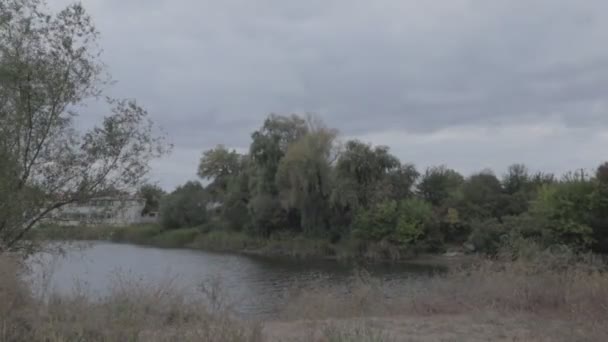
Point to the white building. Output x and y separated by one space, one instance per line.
103 211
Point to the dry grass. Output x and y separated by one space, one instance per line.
548 284
547 297
134 311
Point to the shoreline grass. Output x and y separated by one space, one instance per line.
279 245
544 297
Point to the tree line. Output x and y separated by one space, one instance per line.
299 178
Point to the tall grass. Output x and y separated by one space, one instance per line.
543 287
546 283
133 311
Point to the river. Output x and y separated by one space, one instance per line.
257 285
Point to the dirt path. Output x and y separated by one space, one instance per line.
473 328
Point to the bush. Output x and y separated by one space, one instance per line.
414 217
565 207
402 222
376 223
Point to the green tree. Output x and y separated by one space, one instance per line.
219 165
482 196
152 194
397 183
599 208
270 143
304 178
234 211
365 175
438 183
48 66
185 207
566 208
517 179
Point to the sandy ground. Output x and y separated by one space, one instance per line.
474 328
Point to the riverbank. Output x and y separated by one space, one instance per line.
294 246
550 297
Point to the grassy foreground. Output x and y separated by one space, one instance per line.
296 246
547 297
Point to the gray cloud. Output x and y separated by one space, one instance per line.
210 71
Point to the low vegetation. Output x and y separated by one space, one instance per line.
540 296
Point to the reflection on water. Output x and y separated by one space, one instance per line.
255 284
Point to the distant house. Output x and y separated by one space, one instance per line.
112 211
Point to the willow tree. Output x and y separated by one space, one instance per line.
49 66
304 176
269 145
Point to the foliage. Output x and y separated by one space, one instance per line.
567 206
219 165
414 217
50 65
438 183
400 222
187 206
300 181
304 178
377 222
482 196
152 194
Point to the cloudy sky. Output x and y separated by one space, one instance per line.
467 83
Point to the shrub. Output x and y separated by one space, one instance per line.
414 217
565 207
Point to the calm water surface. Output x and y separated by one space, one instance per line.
257 285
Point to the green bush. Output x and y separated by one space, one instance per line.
565 207
401 222
414 217
376 223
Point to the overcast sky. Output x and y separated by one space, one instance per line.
469 83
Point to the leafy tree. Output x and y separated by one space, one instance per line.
517 179
599 208
185 207
566 207
365 175
219 165
304 178
269 145
152 194
438 183
48 66
482 196
234 210
397 184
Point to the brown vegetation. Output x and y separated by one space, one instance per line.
547 297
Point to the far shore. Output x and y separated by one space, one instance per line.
239 243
